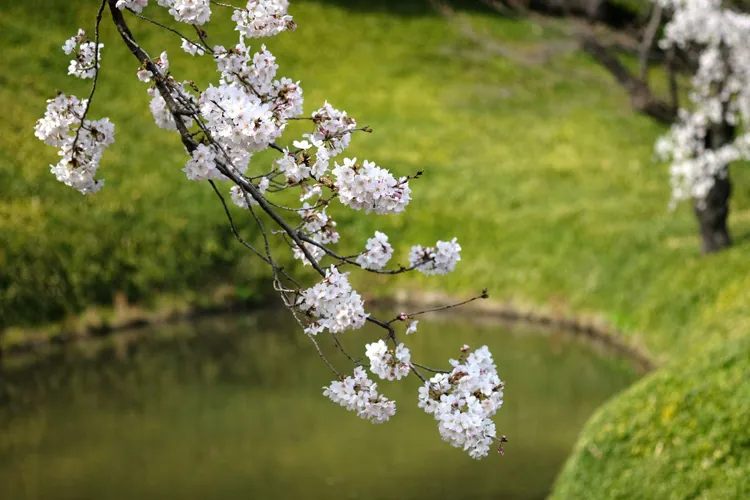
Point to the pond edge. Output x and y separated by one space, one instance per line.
589 328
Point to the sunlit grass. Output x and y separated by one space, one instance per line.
546 179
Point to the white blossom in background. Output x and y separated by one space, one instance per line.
377 252
335 304
439 260
464 401
412 328
309 192
720 93
134 5
78 166
192 48
359 394
85 54
370 188
388 364
189 11
261 18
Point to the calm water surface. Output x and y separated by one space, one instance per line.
231 408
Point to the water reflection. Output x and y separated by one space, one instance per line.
232 408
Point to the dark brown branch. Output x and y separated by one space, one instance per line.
641 97
648 41
674 98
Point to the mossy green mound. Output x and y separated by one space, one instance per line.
683 432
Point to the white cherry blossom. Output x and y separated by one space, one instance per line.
85 55
440 259
388 364
359 394
464 401
333 304
377 252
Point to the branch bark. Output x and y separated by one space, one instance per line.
641 97
648 41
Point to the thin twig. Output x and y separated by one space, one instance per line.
99 15
234 228
648 41
483 295
164 26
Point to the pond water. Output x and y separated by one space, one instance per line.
231 408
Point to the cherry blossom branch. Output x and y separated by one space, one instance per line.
233 227
171 30
405 316
99 15
220 127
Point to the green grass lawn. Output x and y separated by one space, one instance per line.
542 172
683 432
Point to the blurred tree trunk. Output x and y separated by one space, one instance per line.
713 211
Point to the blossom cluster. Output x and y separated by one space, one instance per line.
87 55
370 188
358 393
720 94
388 364
160 110
185 11
464 401
81 143
248 110
319 227
333 131
334 303
134 5
377 252
202 164
189 11
440 259
261 18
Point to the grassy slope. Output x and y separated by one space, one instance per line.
543 174
683 432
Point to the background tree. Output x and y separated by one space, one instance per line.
707 131
708 39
